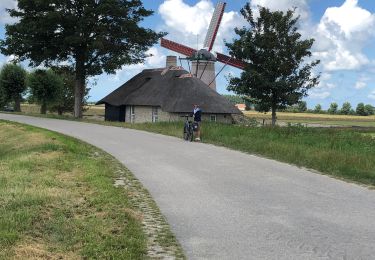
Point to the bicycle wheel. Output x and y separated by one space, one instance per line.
191 134
186 136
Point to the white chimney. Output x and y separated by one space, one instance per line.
171 61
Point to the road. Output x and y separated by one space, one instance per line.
223 204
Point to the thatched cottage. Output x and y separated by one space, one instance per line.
165 95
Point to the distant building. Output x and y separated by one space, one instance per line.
165 94
241 107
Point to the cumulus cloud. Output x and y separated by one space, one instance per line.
188 24
155 60
360 85
319 95
341 36
284 5
372 95
4 15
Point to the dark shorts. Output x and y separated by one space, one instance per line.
198 126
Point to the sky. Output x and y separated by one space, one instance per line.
344 33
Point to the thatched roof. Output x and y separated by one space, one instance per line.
170 91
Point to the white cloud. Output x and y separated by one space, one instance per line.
342 34
360 85
372 95
188 24
4 15
155 60
319 95
362 82
284 5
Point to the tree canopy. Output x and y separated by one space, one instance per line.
277 74
46 87
12 85
93 36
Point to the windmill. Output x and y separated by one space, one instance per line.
203 61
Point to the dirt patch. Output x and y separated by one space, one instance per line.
33 249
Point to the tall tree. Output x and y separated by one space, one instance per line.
369 109
277 74
46 87
346 107
360 110
333 108
318 109
65 101
302 106
94 36
12 84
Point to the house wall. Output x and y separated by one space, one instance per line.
143 114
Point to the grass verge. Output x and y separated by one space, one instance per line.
58 201
343 153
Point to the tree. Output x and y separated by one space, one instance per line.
234 99
12 84
318 109
369 110
277 73
302 106
346 107
333 108
93 36
46 87
360 110
65 100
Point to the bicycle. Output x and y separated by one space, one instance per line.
188 129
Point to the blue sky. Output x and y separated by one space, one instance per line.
344 31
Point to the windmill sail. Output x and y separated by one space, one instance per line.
214 26
230 61
177 47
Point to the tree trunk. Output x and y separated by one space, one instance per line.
17 104
59 111
43 108
273 115
79 88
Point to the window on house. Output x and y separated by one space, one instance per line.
155 114
213 118
132 114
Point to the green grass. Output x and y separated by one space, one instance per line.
342 153
58 201
320 119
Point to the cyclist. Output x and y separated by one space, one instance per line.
197 114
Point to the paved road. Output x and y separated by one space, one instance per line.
224 204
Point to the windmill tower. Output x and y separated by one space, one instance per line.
203 61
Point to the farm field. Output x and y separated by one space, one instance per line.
58 200
97 113
315 119
91 111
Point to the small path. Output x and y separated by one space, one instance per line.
223 204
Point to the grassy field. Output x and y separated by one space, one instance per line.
342 153
97 113
318 119
58 201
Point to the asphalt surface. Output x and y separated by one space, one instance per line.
223 204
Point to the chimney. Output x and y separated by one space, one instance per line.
171 61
